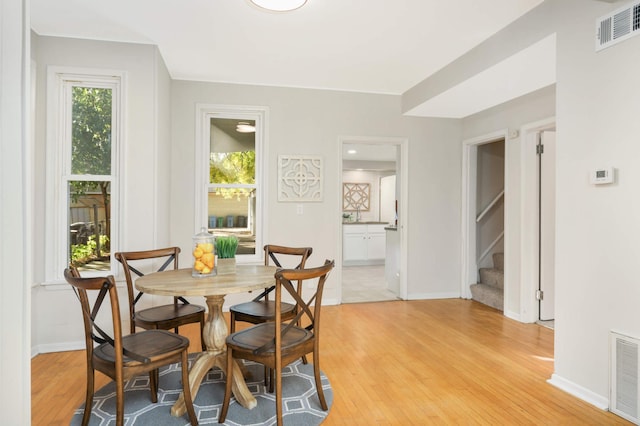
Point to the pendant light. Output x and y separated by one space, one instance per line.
279 5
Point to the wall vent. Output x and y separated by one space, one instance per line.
624 395
618 26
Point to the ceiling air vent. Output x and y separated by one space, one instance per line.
617 26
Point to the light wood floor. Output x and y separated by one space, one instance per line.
398 363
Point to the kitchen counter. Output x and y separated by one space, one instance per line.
365 223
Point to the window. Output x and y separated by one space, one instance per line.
82 167
231 177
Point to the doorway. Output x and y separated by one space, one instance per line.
475 207
372 200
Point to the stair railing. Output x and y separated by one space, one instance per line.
486 210
490 206
491 246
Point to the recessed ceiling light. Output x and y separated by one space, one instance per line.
244 127
352 151
279 5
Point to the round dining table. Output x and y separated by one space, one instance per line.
180 282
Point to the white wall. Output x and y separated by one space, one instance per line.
597 227
373 179
310 122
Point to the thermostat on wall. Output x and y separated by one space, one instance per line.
602 175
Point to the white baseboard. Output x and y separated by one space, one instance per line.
431 296
57 347
513 315
579 392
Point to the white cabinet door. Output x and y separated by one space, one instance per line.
376 245
354 247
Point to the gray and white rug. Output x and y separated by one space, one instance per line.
300 399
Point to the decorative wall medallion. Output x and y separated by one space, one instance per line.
299 178
355 196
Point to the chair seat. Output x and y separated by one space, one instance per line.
256 336
261 311
149 343
168 312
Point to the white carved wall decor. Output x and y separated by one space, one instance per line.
355 196
299 178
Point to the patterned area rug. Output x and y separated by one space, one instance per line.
300 399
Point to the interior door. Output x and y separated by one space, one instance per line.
547 253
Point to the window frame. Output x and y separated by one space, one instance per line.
204 114
60 81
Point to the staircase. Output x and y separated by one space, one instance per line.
490 289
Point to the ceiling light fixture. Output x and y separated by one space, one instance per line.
244 127
279 5
352 151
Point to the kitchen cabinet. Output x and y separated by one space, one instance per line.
363 244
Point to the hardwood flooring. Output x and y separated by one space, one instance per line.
447 361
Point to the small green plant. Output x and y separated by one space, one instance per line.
226 246
81 254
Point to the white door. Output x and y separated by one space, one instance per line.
547 224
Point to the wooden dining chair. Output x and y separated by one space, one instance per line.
277 343
163 317
123 357
261 309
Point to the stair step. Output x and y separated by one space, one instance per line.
498 261
492 277
488 295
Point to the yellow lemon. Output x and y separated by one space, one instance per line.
208 248
207 259
197 253
206 270
198 266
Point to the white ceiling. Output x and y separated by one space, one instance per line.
376 46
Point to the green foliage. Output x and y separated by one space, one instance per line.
91 142
233 168
82 254
226 246
91 131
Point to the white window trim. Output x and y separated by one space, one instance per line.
56 226
204 114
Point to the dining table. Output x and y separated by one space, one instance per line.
180 282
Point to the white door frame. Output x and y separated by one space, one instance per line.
403 226
529 218
469 183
